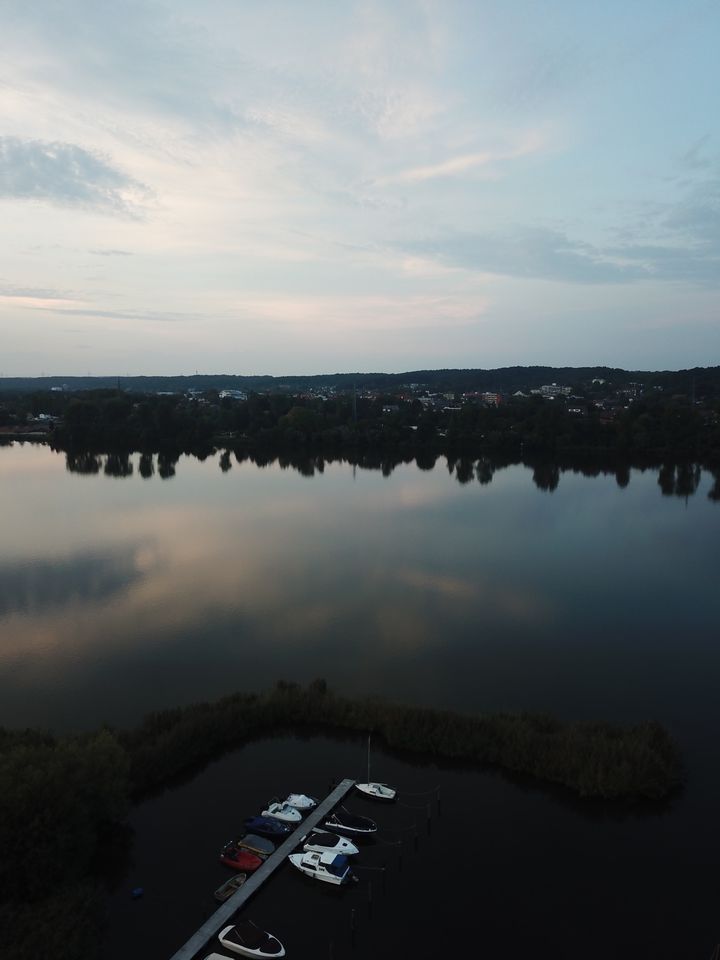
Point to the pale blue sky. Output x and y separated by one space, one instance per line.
288 187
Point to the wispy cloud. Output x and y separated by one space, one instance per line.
465 163
39 298
532 253
365 312
66 174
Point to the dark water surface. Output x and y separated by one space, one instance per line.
123 595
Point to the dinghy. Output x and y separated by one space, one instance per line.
224 892
246 938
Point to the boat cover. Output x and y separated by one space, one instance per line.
323 838
355 822
252 842
267 825
338 867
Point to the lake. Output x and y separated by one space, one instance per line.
130 587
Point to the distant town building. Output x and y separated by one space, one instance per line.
553 390
232 395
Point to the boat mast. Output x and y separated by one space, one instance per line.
368 778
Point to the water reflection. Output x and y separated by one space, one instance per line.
146 467
38 586
680 479
459 585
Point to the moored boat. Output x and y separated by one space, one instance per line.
328 867
320 841
342 821
260 846
301 801
283 811
376 791
224 892
269 827
232 856
246 938
372 788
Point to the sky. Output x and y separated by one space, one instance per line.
312 186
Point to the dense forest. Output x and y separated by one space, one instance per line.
63 799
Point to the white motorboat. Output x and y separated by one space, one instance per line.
321 841
373 789
301 801
330 867
283 811
246 938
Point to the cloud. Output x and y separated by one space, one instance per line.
685 247
146 315
464 163
698 216
43 298
365 312
536 253
65 174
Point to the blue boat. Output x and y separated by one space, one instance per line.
268 827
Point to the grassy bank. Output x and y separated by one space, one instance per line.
595 759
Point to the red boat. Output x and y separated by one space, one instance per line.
238 859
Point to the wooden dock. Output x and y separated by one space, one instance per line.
222 916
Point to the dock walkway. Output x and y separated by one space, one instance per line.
214 924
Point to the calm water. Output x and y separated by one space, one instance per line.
119 595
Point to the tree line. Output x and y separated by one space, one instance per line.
653 425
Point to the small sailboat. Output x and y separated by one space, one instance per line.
283 811
329 867
246 938
373 789
320 841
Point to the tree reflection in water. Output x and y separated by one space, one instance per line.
675 479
